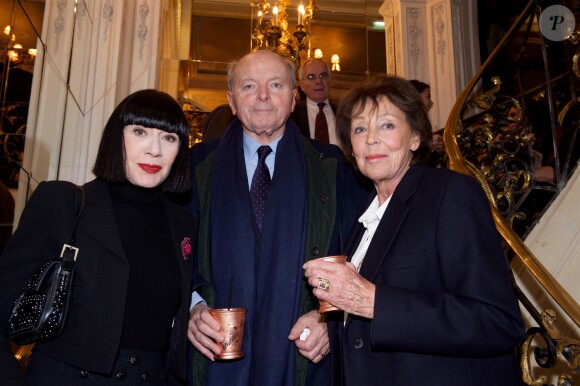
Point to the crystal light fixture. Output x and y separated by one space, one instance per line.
271 28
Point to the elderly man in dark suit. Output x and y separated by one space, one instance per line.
252 250
314 115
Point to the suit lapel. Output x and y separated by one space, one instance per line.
388 228
98 218
302 118
181 241
383 238
391 222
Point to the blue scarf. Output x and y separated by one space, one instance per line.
263 271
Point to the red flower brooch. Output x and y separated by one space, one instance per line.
186 248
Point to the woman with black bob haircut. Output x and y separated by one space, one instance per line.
147 108
133 272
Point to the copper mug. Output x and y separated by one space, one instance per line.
324 305
232 326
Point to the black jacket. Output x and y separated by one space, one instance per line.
93 331
445 311
300 117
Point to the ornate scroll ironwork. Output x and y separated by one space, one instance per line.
490 136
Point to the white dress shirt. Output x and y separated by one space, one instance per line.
312 108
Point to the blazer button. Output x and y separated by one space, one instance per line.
121 374
83 373
145 376
358 343
324 198
320 156
315 251
134 360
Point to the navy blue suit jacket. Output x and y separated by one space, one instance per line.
445 310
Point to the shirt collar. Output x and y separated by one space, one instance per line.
374 212
251 146
311 103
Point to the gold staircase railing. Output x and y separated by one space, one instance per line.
482 138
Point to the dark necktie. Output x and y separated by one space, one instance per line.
260 184
320 125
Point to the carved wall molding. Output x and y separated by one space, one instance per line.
398 45
391 67
414 30
80 14
107 15
142 27
439 27
59 22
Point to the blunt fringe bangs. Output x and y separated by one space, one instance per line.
399 92
152 109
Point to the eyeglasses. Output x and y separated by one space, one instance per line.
322 76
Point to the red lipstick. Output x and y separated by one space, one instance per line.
151 169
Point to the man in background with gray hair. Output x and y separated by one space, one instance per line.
314 115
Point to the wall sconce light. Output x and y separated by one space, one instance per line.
335 60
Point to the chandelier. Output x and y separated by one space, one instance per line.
270 28
15 53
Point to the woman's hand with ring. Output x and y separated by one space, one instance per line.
342 286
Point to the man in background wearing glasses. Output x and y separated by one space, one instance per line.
314 115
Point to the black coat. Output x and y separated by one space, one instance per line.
445 311
93 331
300 117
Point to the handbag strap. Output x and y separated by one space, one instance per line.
80 205
69 251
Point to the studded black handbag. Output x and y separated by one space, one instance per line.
40 312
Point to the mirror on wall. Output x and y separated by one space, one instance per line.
81 48
20 27
221 32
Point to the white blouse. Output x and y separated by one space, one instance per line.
370 220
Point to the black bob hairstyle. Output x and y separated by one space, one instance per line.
152 109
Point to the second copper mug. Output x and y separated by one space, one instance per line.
326 306
232 326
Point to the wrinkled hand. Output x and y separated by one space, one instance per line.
348 290
202 330
316 346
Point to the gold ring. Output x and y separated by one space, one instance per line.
323 284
